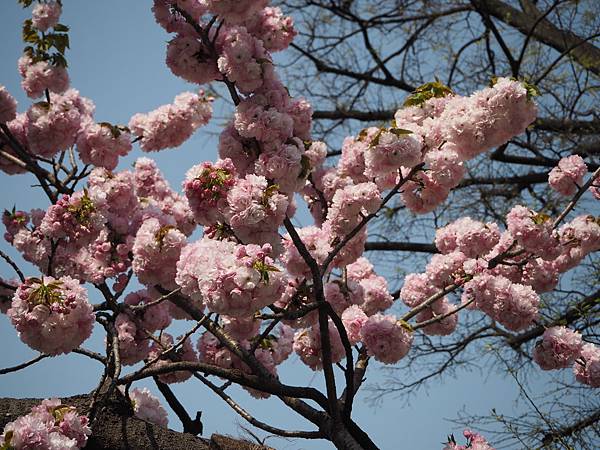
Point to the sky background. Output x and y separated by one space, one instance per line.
117 59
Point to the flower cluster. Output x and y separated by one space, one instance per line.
53 127
558 349
49 426
474 442
101 144
147 407
52 315
568 175
232 279
8 106
171 125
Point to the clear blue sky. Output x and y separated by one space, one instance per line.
117 59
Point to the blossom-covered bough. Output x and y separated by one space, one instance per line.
256 286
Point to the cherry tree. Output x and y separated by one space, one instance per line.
255 287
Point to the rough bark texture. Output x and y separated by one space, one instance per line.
116 429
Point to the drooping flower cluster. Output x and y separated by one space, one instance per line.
171 125
46 15
568 175
37 76
49 426
147 407
587 367
558 349
52 315
155 253
232 279
101 144
53 127
387 339
76 217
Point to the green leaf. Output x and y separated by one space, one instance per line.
29 33
59 41
61 28
25 3
399 131
433 89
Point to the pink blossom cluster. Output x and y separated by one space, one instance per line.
387 339
41 75
77 217
52 315
587 366
147 407
568 175
8 106
455 129
231 279
157 199
375 293
174 22
53 127
559 348
156 251
49 426
350 204
513 305
101 144
243 59
269 25
578 238
171 125
533 232
270 351
475 441
45 15
234 11
307 345
471 237
206 186
135 326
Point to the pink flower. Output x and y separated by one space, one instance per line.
156 250
206 186
533 232
558 349
46 15
307 344
513 305
389 151
232 279
171 125
354 319
234 11
471 237
568 175
189 59
275 30
41 75
8 106
386 339
147 407
102 144
587 366
53 127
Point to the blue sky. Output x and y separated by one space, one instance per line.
117 59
